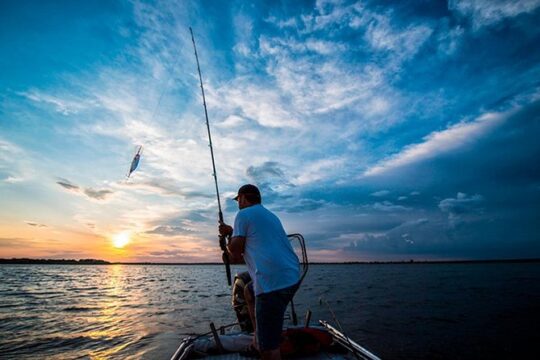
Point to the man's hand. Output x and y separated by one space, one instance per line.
225 230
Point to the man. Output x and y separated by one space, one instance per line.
259 239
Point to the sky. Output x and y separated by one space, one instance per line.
379 130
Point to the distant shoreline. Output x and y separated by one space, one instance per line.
23 261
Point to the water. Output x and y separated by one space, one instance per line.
420 311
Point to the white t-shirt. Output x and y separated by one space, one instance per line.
268 253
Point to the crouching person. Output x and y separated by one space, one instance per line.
259 240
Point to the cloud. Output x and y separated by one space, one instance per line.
440 142
318 170
314 78
408 238
169 254
177 222
295 205
66 184
459 206
388 206
449 39
97 194
379 28
266 171
380 193
282 23
265 105
60 103
167 230
489 12
162 186
405 42
91 193
317 85
12 242
232 121
15 165
34 224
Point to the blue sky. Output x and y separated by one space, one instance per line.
380 130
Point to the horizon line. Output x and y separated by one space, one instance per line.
23 261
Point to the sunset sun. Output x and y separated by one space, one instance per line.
121 239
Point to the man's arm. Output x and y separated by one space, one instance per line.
236 249
236 245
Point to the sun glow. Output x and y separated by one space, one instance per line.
120 240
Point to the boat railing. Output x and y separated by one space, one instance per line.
304 265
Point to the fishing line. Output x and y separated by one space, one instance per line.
321 300
154 113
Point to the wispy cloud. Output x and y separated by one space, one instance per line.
382 37
439 142
60 103
319 170
486 12
15 165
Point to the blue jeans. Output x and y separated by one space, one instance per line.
269 311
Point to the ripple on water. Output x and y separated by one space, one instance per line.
80 308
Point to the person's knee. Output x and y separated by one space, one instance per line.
271 354
248 295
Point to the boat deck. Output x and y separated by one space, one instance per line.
318 356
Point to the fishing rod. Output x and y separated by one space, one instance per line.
222 238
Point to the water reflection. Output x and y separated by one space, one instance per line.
73 311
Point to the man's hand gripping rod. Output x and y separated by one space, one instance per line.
222 239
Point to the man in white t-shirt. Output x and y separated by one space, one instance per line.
259 240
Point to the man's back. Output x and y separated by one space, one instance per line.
268 253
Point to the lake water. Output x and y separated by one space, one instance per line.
399 311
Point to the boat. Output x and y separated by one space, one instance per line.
218 344
233 341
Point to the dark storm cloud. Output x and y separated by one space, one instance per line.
478 201
416 236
